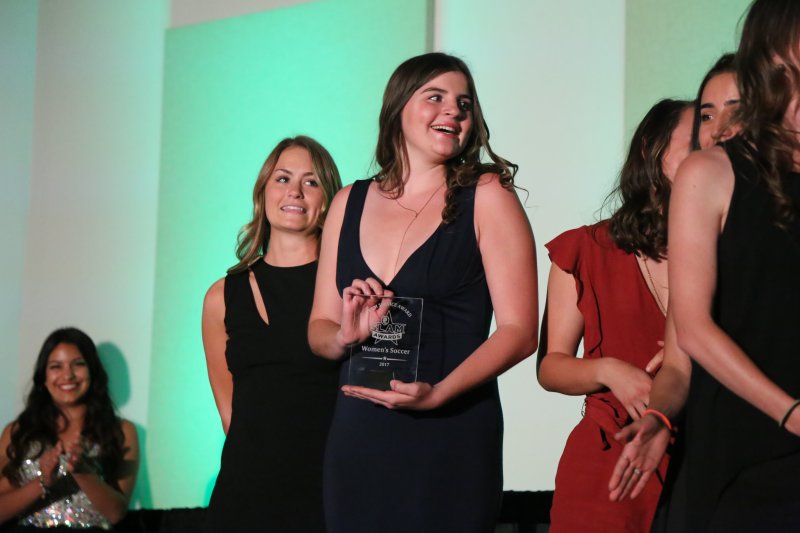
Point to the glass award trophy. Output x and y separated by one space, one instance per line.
392 349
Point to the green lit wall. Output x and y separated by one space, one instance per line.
232 89
670 46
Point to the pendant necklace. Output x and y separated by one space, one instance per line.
661 305
416 214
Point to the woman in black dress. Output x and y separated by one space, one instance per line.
435 223
734 239
274 397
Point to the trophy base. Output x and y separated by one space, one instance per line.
377 379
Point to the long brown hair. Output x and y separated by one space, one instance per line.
639 225
38 425
254 236
768 77
462 170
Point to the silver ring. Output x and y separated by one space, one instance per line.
637 472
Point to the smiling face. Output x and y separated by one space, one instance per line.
293 197
719 100
437 119
67 376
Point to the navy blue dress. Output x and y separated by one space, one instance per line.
430 471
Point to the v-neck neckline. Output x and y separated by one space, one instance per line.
411 256
408 259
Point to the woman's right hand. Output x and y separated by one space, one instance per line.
49 462
364 304
654 365
630 385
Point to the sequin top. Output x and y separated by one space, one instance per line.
66 504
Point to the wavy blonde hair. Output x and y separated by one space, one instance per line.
254 236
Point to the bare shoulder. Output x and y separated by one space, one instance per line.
5 437
707 171
214 302
130 433
5 440
498 211
128 429
490 181
490 193
340 200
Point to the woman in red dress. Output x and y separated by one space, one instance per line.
608 286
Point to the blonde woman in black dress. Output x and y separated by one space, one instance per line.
275 398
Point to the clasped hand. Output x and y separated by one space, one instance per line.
631 385
70 455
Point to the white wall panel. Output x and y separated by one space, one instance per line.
550 76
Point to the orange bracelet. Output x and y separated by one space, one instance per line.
658 414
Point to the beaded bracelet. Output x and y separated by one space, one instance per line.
661 416
789 411
40 477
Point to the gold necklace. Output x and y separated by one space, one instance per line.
661 305
416 214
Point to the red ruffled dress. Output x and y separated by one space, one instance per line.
622 320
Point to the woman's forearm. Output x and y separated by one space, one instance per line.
715 351
671 384
567 374
323 338
506 347
669 392
14 501
108 501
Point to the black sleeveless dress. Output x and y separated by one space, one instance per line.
428 471
270 477
741 472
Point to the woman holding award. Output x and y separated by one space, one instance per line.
426 455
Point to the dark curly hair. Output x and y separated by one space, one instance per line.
768 78
724 65
639 225
463 170
40 420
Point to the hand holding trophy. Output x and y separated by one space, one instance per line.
383 332
361 309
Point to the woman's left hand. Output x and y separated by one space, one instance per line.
74 452
418 396
646 442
